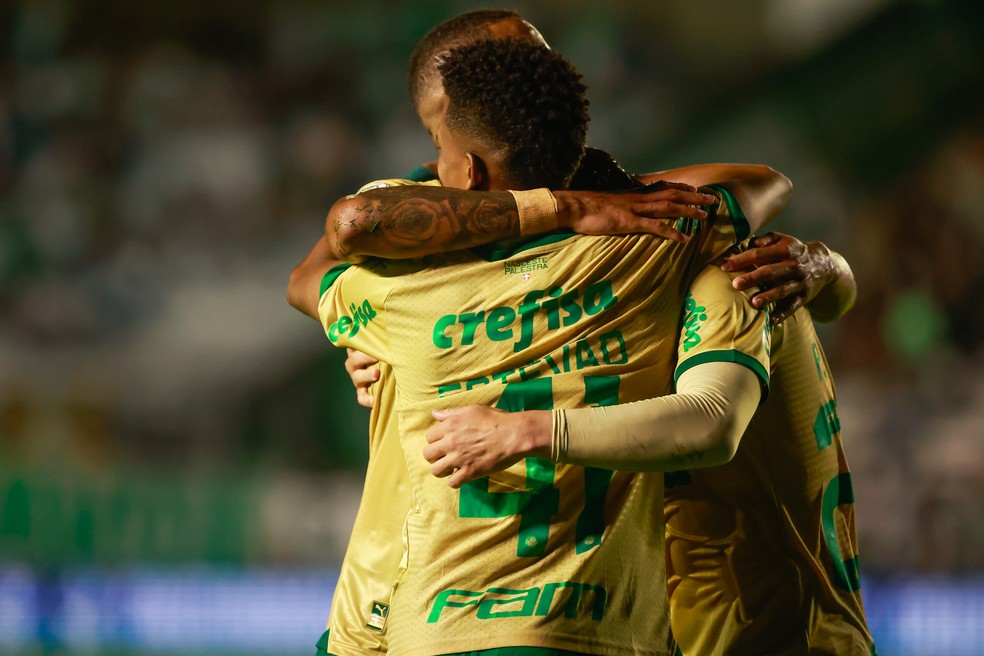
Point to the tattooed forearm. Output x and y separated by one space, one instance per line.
406 222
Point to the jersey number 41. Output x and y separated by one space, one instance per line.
541 500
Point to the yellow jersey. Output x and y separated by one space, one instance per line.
762 554
541 554
360 604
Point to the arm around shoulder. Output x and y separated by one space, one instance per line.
412 221
304 285
698 426
345 224
761 191
840 290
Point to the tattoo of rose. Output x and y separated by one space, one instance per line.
417 220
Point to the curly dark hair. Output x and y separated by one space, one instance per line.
461 30
524 102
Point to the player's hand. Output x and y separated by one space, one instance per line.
361 370
475 441
788 272
628 212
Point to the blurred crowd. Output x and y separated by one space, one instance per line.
163 167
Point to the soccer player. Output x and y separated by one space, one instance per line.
761 551
361 604
539 556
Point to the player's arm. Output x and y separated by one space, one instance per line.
413 221
722 375
792 273
789 272
698 426
304 286
760 191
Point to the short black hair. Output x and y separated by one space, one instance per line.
524 102
461 30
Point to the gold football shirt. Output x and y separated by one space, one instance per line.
360 604
762 554
540 554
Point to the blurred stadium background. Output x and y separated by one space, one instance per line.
181 453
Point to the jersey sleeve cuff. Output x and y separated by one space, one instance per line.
729 355
421 174
331 276
738 219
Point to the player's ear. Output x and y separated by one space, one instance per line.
478 173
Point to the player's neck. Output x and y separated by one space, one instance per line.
499 180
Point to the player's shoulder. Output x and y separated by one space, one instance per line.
378 271
713 283
713 294
713 275
366 277
620 246
397 182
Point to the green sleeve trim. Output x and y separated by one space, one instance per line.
497 252
421 174
727 355
322 644
738 219
331 276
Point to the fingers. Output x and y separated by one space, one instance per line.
660 229
459 443
785 309
769 248
660 185
439 430
358 360
441 414
460 477
445 464
769 276
674 202
435 449
364 377
679 196
756 257
364 398
768 239
778 293
681 186
669 210
768 297
358 365
442 468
